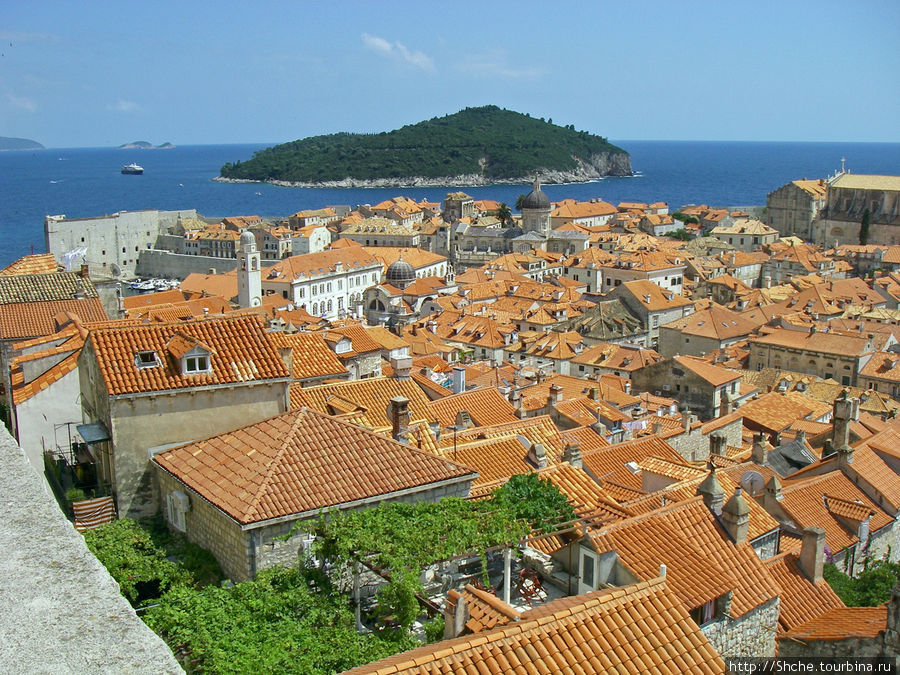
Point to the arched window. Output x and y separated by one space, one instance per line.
329 305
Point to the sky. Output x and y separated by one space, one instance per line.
91 74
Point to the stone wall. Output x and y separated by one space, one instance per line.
158 263
62 612
211 529
752 634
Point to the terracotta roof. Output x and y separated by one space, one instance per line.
715 322
585 437
312 357
485 609
370 398
775 411
60 359
639 628
299 462
540 429
702 562
818 342
801 599
43 287
714 375
39 263
806 503
33 319
486 406
609 464
653 298
843 623
242 350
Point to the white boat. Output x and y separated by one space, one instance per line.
133 169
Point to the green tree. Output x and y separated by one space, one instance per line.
870 588
864 228
534 500
519 201
505 215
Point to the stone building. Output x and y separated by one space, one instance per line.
746 235
458 205
536 211
850 197
243 506
652 304
110 244
792 208
703 331
706 389
200 377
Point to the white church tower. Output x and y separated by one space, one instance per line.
249 277
536 211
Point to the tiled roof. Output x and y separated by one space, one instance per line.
33 319
540 429
715 322
68 348
714 375
485 609
608 464
242 352
40 263
312 357
486 406
653 298
371 397
495 459
801 599
818 342
222 285
43 287
843 623
805 503
774 411
299 462
585 437
847 509
639 628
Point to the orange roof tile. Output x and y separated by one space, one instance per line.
312 357
241 349
843 623
299 462
39 263
486 406
801 599
639 628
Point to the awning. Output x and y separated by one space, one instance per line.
92 433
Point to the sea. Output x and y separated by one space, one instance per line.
86 182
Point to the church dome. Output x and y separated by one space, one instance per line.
400 273
536 199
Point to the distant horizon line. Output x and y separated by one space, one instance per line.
613 140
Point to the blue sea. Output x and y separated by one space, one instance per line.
85 182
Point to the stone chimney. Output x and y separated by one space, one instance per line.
402 366
736 517
399 408
812 553
717 444
515 398
772 494
846 410
456 614
687 419
572 454
287 355
712 492
555 396
657 428
537 456
463 420
627 386
759 453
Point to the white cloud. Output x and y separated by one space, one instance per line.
398 52
22 102
124 106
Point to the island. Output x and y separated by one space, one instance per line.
7 143
144 145
476 146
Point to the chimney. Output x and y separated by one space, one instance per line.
463 420
812 553
458 380
399 408
627 386
712 492
456 614
595 394
846 410
537 456
736 517
772 494
555 397
84 272
686 420
717 444
572 454
759 453
287 355
657 428
767 281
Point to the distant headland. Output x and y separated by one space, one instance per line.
476 146
7 143
144 145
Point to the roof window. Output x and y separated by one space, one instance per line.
146 359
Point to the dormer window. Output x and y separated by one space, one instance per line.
146 359
196 363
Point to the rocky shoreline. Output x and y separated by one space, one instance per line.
599 166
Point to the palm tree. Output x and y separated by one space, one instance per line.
504 215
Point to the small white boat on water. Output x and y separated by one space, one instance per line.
133 169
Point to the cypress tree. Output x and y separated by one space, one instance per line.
864 228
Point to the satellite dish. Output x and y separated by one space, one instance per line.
753 482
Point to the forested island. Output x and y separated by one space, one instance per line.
144 145
476 146
7 143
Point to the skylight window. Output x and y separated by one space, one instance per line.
146 359
196 364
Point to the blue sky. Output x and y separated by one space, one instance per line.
193 72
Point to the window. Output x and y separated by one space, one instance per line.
587 572
196 364
177 504
146 359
